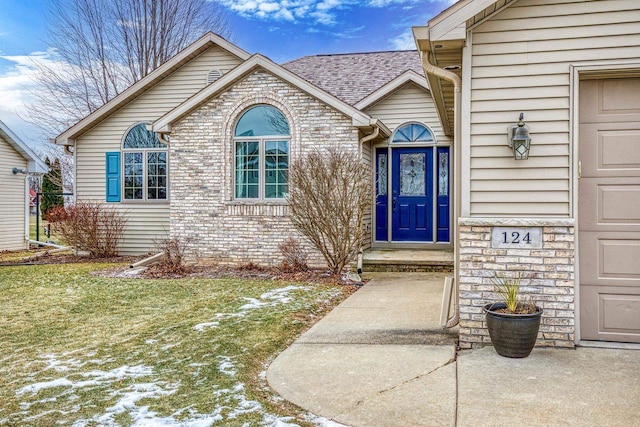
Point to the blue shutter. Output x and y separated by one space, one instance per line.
113 176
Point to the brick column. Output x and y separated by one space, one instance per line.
548 277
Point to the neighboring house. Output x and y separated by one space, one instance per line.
569 215
17 162
200 149
32 202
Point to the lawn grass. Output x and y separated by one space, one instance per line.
43 237
78 349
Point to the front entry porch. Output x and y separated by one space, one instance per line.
412 191
416 260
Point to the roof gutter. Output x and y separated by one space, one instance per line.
453 78
376 124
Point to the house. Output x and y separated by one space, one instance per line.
200 148
32 202
569 214
17 162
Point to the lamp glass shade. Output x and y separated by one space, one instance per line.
521 148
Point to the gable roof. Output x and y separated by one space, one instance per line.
441 43
163 124
194 49
408 76
461 12
35 165
353 76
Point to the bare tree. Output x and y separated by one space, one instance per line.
102 47
54 153
329 194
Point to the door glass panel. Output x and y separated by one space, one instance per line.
412 174
382 174
443 174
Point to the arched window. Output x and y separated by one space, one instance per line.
413 132
261 140
145 165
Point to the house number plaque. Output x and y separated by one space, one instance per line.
516 237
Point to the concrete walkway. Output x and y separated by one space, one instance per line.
381 359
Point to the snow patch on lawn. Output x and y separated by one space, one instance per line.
236 400
96 378
233 401
37 387
202 326
272 298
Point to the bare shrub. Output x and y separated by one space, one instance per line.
329 194
173 261
295 257
90 226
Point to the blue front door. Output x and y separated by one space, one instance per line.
412 194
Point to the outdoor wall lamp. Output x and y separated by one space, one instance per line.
519 139
18 170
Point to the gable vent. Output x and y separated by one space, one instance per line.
213 75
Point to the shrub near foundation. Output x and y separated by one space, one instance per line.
89 226
329 194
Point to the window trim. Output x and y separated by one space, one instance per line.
434 140
145 180
261 140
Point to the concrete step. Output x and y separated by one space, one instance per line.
411 260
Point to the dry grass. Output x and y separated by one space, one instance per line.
90 350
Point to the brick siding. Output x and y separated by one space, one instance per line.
548 277
203 211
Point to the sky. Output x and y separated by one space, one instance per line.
279 29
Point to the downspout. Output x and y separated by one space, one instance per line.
373 135
27 216
453 78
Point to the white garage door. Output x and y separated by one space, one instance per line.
609 209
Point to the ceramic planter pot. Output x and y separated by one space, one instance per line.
512 335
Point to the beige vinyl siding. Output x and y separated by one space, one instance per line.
409 103
148 221
521 60
13 200
368 160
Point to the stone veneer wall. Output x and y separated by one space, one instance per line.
218 228
549 271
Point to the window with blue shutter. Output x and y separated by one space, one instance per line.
113 176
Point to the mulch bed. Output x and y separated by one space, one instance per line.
157 271
43 256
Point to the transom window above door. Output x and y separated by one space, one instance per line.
413 132
145 165
261 147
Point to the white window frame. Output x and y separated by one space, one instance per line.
262 182
145 171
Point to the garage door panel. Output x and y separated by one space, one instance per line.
610 100
613 259
614 151
614 204
611 314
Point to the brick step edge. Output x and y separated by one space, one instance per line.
415 268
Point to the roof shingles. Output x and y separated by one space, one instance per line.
353 76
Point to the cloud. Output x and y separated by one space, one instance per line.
403 41
16 84
318 11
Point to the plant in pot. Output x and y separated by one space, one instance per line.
514 322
